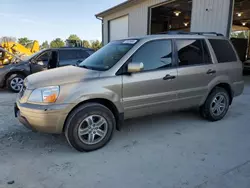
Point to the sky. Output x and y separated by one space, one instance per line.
49 19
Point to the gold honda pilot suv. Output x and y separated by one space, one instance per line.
131 78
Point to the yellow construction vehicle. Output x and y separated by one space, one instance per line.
17 49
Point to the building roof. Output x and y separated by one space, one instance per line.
118 7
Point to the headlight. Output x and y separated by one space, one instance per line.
45 95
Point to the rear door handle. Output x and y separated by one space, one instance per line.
210 71
169 77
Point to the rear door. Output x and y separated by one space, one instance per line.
195 71
229 66
228 63
40 62
153 89
72 56
67 57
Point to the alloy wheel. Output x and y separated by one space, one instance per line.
93 129
218 105
16 83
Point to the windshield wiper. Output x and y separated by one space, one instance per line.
92 68
86 67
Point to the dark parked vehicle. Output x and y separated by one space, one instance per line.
12 75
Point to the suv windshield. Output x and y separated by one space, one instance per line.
108 56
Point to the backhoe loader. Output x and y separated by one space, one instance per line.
17 49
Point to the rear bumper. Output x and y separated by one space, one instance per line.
238 88
42 118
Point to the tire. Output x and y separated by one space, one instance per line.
79 122
15 82
213 110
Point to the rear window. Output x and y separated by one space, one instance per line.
223 50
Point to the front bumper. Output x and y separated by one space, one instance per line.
48 119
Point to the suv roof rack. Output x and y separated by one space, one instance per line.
191 33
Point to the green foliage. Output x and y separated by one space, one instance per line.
57 43
95 44
25 41
86 44
240 34
44 45
7 39
73 37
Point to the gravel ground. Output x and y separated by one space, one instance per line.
167 150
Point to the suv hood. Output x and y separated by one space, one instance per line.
59 76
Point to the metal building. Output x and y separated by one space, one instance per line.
142 17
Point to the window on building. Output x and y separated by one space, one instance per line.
192 52
154 55
223 50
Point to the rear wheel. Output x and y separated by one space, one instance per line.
89 127
216 105
15 82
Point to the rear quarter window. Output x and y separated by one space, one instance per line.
223 50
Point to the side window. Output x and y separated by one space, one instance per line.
44 56
192 52
223 50
67 54
91 52
82 54
154 55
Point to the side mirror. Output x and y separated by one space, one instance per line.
135 67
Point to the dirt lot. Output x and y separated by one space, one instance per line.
167 150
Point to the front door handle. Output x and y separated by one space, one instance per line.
169 77
210 71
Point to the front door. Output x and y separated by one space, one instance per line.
40 62
195 71
153 89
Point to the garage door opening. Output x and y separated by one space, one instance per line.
240 34
173 16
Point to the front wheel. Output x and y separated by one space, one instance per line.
216 105
15 82
89 127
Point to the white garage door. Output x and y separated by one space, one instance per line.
118 28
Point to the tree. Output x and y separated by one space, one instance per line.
7 39
95 44
24 41
57 43
73 37
44 45
86 44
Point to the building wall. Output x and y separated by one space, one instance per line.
138 18
215 19
211 16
